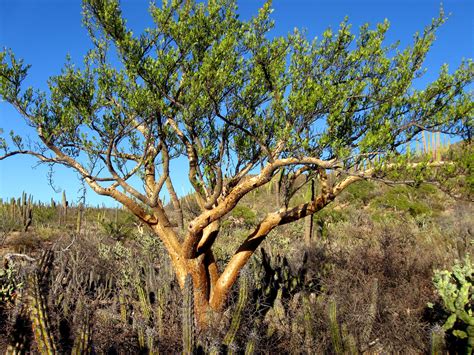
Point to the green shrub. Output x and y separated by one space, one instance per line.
399 199
456 289
245 213
361 191
9 285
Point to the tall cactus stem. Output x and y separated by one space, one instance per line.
334 327
371 313
188 317
437 335
237 316
39 318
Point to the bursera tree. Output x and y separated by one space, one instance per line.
242 108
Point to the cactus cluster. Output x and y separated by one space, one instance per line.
39 316
277 274
21 211
456 289
9 284
343 342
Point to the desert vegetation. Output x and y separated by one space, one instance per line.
322 198
365 283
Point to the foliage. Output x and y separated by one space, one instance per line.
245 213
399 199
9 285
361 190
456 289
117 230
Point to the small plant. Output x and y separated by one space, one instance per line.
456 289
118 230
245 214
9 285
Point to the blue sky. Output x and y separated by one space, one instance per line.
43 32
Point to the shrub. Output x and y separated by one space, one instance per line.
399 199
244 213
456 289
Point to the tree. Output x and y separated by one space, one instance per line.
242 108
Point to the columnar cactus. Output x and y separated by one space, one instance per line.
437 343
39 317
26 209
123 307
144 302
371 313
64 209
237 316
308 323
82 343
188 317
334 327
80 211
161 302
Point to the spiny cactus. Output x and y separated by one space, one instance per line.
308 323
251 343
144 302
123 307
334 327
350 345
160 308
82 344
63 214
141 337
342 341
188 317
80 211
437 335
237 316
15 349
456 289
26 211
39 317
371 313
150 341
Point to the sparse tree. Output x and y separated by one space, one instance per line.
242 107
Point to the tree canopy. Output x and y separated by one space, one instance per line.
241 107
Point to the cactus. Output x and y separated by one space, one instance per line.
150 341
250 347
39 317
350 345
457 292
123 308
141 337
237 316
80 210
334 327
188 316
371 313
437 335
308 323
63 220
161 301
26 209
15 349
82 343
144 302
